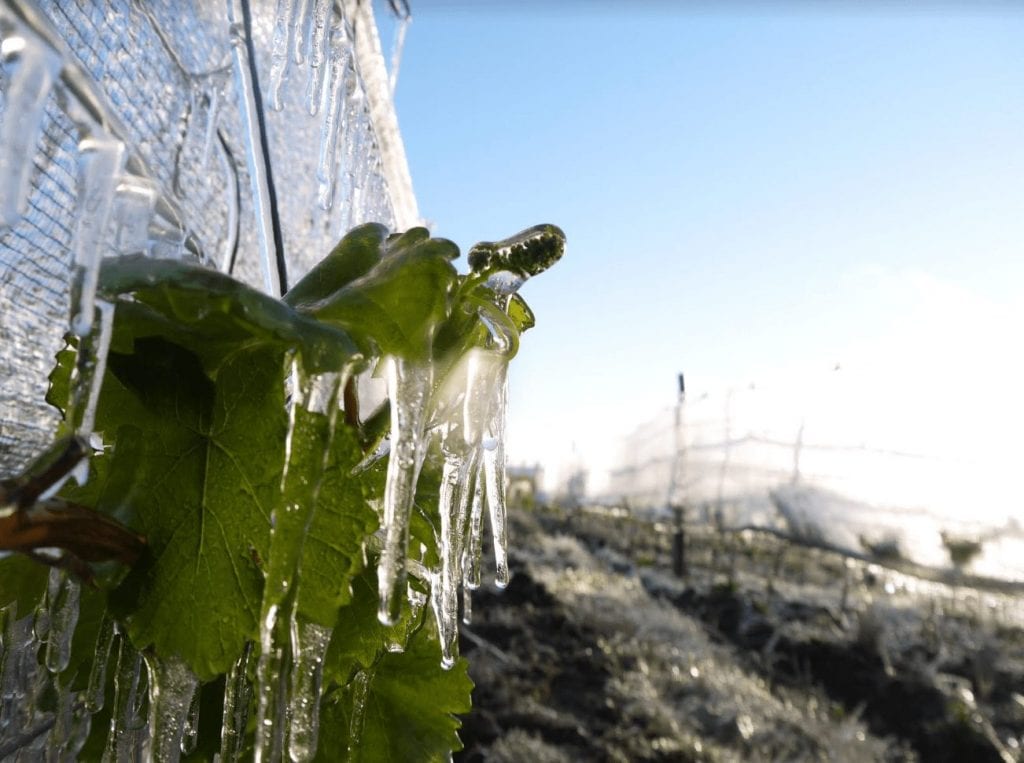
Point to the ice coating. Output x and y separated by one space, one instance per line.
310 642
70 729
90 373
235 719
341 91
100 161
471 559
469 397
95 692
454 500
271 686
205 102
134 203
514 259
18 660
31 68
284 29
297 33
317 53
409 386
494 479
396 51
128 726
254 158
172 688
283 636
360 691
62 599
213 103
190 734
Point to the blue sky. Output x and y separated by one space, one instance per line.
747 195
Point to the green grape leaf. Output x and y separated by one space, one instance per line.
329 551
400 302
205 462
359 639
58 393
520 314
354 256
22 582
410 708
213 315
425 519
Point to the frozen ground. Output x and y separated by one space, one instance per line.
596 653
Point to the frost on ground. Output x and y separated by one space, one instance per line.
577 661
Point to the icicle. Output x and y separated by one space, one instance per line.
272 687
172 687
127 723
317 49
280 628
341 90
134 204
200 132
70 728
63 595
396 53
284 23
213 98
361 171
467 606
298 31
190 734
96 690
408 389
310 642
237 696
494 478
360 693
471 559
18 669
32 68
453 501
254 152
93 354
99 166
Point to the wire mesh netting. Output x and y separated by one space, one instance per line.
160 81
758 457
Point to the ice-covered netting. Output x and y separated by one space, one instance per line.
124 128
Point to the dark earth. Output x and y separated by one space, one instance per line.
762 651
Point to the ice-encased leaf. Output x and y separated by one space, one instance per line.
401 300
359 638
409 711
520 314
343 519
205 464
212 314
353 256
527 253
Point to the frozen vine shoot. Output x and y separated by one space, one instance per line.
235 461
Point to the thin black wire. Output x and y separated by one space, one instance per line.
233 256
275 220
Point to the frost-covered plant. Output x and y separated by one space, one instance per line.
280 565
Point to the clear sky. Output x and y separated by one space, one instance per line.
749 192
